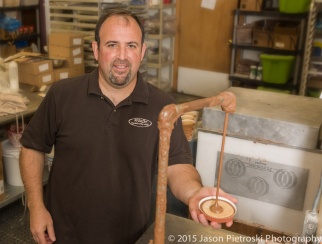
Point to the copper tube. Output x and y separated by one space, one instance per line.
167 117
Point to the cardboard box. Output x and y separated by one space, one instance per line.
11 3
65 52
29 2
263 38
285 37
66 39
73 61
251 5
37 80
34 65
63 73
263 33
2 195
7 50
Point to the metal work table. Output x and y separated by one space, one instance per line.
13 193
34 99
182 230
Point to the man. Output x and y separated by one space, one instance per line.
104 129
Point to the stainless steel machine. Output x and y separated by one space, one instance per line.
273 157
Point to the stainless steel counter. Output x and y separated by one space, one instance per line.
13 193
34 99
182 230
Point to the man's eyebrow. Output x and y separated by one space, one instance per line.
130 42
133 42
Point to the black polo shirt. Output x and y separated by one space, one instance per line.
99 188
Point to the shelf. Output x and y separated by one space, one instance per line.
159 37
158 66
267 49
75 7
34 101
22 37
246 80
18 8
13 193
243 51
275 14
316 60
313 72
26 18
314 83
162 6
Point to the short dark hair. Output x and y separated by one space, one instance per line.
117 12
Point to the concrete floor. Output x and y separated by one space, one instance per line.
14 224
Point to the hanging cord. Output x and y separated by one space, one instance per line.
24 201
15 135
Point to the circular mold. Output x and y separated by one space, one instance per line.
187 116
228 213
193 113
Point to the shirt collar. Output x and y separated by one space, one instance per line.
139 94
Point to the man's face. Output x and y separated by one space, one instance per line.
121 52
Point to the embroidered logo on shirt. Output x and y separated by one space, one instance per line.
139 122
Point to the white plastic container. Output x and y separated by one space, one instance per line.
13 76
10 156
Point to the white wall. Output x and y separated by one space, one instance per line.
201 83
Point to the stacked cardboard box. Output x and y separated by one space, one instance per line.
275 34
36 71
70 47
7 50
286 36
251 5
263 33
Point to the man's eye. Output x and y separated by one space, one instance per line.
112 45
132 46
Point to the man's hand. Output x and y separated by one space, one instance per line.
197 215
41 226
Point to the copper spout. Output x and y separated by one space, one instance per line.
167 117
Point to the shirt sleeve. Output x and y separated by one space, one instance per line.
40 132
180 151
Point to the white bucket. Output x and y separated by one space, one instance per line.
10 156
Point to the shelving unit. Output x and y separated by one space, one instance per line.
13 193
24 13
239 49
140 8
79 16
161 34
311 78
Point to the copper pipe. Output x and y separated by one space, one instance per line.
167 117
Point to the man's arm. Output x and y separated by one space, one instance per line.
185 183
32 167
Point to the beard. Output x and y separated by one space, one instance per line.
119 80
